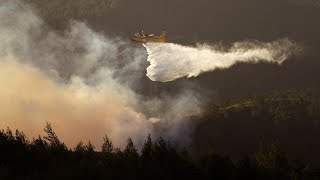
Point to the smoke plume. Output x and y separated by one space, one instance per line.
71 80
170 61
79 80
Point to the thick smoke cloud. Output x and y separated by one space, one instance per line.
170 61
80 81
77 111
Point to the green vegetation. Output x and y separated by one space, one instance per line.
58 13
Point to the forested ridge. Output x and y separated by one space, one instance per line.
236 127
48 157
276 107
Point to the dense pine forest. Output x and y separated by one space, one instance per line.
48 157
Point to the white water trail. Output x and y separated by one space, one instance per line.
170 61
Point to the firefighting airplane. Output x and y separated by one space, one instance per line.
144 38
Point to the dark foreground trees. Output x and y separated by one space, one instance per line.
49 158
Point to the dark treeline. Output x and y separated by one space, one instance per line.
236 127
49 158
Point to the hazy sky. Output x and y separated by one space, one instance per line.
217 20
226 22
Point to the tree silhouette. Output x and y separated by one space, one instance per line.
21 138
89 147
40 159
161 149
39 144
107 146
147 149
130 151
53 139
81 148
9 135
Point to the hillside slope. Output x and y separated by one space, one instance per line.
292 117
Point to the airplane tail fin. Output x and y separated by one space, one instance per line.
163 34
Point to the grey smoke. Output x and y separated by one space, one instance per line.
79 80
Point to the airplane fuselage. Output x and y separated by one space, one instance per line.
149 38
